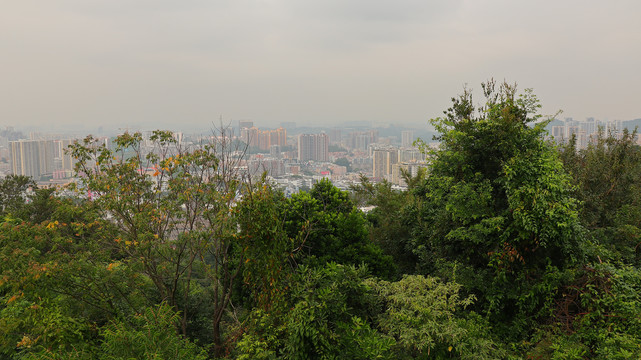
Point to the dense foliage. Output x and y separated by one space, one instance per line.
507 247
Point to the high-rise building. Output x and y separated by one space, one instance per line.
383 159
412 168
360 140
411 155
245 124
313 147
277 137
263 139
250 136
335 135
588 126
571 131
67 161
558 133
373 135
407 138
32 157
178 136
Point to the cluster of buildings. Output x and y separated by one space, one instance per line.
585 131
38 157
262 139
294 161
338 154
388 163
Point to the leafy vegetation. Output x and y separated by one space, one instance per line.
507 247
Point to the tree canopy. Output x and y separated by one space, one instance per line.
508 247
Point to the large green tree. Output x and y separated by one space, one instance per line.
333 229
329 316
387 227
496 209
606 177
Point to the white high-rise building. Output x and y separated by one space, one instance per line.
313 147
407 138
32 157
67 161
383 159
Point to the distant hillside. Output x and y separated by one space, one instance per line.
632 124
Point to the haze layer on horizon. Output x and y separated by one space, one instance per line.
161 63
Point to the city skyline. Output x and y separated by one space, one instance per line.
342 155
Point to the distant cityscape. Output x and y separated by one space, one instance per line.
587 131
293 157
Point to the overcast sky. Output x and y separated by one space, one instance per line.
173 63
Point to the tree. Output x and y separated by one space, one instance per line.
335 230
597 317
174 208
496 208
387 227
605 175
425 317
269 260
13 194
60 280
150 335
329 316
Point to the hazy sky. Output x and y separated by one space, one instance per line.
155 63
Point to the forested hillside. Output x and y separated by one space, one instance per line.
508 247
